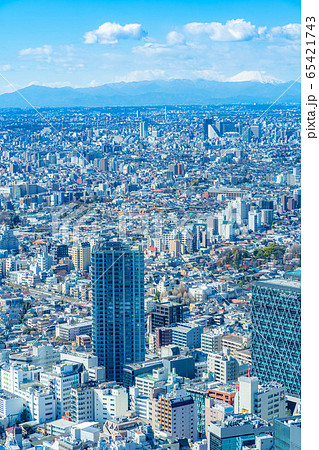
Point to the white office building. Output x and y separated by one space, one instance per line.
61 380
11 406
267 402
23 381
147 381
254 221
110 401
211 342
224 367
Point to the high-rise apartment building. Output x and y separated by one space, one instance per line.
267 216
276 334
254 221
103 165
143 129
256 131
206 124
118 333
212 225
81 255
175 248
8 241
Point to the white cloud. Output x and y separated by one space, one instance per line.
207 74
233 30
142 75
151 48
5 67
174 38
54 84
254 75
241 30
64 57
38 52
110 33
94 83
291 31
60 84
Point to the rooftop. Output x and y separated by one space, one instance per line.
242 419
234 338
280 284
291 421
7 395
61 423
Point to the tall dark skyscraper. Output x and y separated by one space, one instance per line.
117 306
276 333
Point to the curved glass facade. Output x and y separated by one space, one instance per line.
276 333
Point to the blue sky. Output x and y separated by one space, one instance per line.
91 42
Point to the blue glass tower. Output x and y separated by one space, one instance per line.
276 333
118 333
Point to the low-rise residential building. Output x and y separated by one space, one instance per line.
223 392
69 332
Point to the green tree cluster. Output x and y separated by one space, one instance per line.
271 251
234 257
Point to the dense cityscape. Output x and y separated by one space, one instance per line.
150 278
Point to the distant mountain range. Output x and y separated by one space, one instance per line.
153 93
